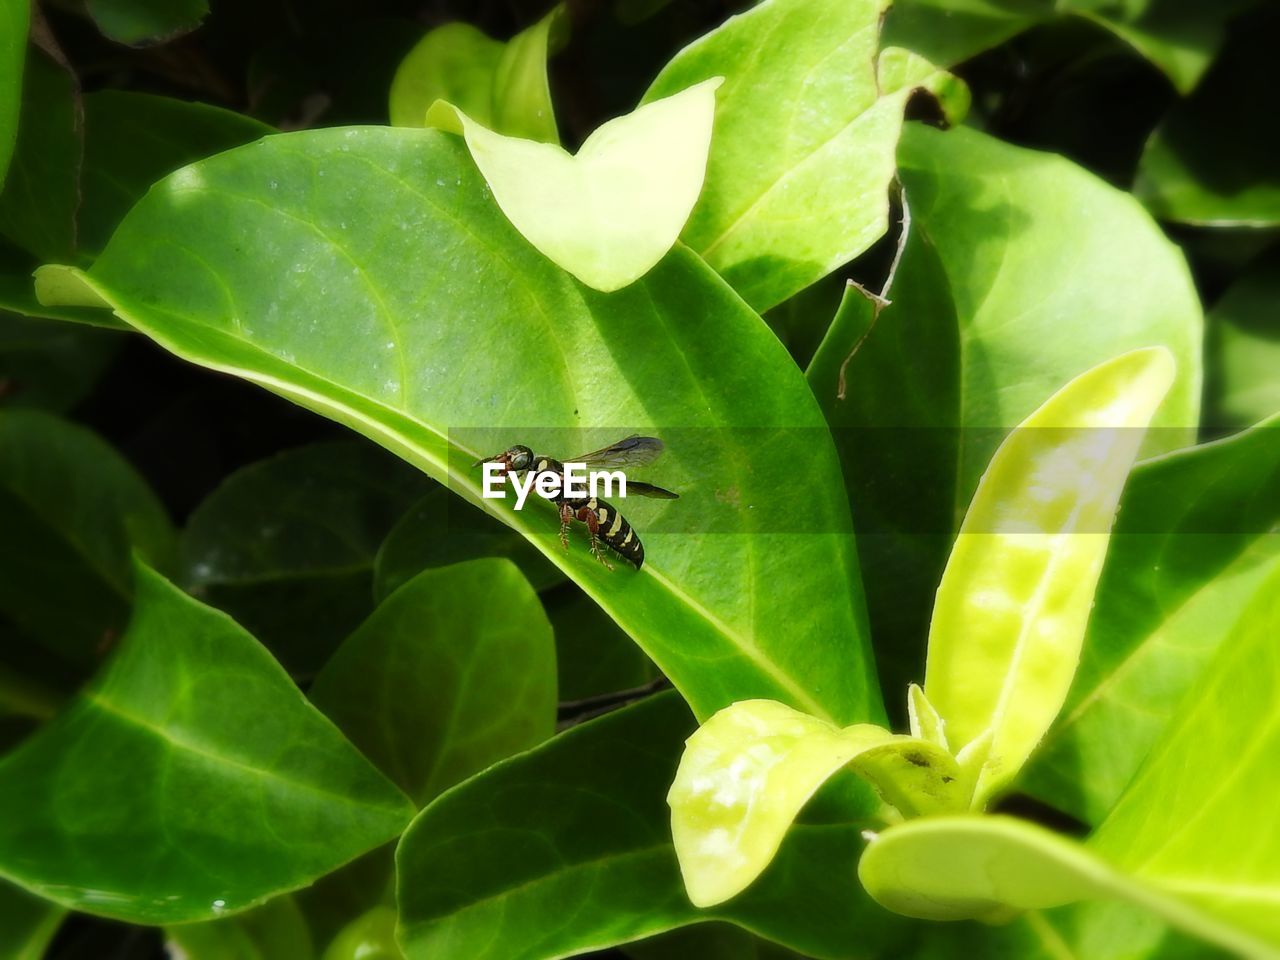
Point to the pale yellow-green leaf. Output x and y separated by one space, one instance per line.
1015 596
994 867
926 722
610 213
750 769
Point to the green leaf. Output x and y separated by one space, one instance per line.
1244 355
1015 597
988 319
1185 840
487 870
1088 930
134 139
27 924
521 91
748 771
453 672
140 22
1193 542
274 930
609 213
502 86
52 366
948 32
802 157
1179 37
191 779
454 62
954 868
318 290
1209 162
38 204
439 530
707 941
131 140
14 17
1195 823
287 546
72 510
371 936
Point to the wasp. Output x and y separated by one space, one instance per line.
605 524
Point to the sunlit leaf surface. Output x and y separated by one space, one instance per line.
190 779
293 263
454 671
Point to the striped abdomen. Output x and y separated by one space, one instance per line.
616 532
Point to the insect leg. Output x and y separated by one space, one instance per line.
566 518
588 516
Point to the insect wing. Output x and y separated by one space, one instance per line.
633 451
649 490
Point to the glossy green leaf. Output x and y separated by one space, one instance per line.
272 931
52 366
610 212
1244 355
72 510
568 848
1179 37
707 941
146 21
1015 597
134 139
453 672
317 305
439 530
988 319
502 86
1088 930
27 924
1209 162
131 140
748 771
14 17
371 936
997 215
453 62
1195 823
191 779
1195 539
38 204
954 868
521 91
805 131
287 546
951 31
